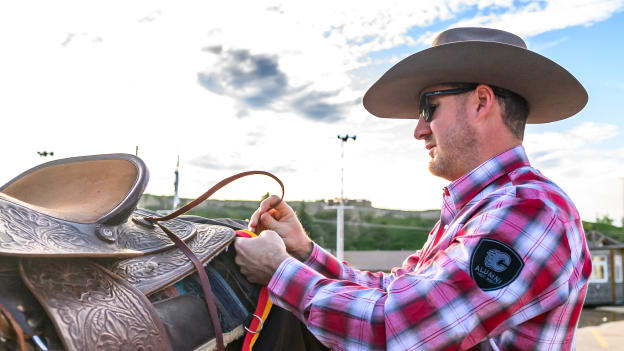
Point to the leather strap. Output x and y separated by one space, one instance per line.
205 283
203 277
19 334
213 190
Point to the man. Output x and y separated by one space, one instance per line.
507 265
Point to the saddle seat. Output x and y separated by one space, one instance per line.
82 207
93 189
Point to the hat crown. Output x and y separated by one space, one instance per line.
478 34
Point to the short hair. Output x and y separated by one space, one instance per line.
515 108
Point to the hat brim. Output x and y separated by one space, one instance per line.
552 92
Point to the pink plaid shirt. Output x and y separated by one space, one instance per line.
506 267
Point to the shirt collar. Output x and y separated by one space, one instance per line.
470 184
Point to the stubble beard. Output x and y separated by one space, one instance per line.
456 154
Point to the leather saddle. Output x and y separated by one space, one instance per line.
81 268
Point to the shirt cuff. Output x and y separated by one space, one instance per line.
314 255
324 263
290 285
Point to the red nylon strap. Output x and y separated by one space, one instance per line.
261 308
203 277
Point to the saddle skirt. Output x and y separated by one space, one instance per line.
82 268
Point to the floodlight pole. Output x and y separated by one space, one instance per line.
341 207
176 198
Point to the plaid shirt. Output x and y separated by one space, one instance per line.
506 267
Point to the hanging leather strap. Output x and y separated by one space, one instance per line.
203 277
19 334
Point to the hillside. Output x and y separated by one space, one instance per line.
366 227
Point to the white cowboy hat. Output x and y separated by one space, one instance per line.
478 55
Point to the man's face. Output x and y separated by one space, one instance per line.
449 137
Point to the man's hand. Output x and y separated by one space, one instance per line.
283 220
259 257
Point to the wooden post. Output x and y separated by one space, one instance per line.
612 252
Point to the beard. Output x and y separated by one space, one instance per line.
455 151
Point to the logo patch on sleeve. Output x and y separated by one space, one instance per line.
494 265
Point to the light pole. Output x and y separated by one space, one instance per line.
341 207
176 198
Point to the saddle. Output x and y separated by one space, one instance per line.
81 268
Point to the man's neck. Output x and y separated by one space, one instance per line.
488 151
493 150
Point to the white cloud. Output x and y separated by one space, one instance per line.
543 16
587 171
82 77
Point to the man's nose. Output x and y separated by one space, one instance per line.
422 129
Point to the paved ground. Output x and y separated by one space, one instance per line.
616 309
608 336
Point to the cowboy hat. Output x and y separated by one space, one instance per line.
478 55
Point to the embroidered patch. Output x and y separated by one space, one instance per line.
494 265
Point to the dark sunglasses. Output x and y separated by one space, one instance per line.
426 110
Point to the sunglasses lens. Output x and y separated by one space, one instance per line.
424 108
430 111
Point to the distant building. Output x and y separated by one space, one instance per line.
606 286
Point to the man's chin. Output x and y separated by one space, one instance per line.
434 168
439 171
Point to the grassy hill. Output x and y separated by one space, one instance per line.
366 228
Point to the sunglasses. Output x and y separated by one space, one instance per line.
425 108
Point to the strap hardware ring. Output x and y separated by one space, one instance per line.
261 324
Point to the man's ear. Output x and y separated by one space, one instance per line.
485 100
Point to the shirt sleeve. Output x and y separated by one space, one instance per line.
438 305
330 267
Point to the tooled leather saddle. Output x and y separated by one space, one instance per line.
81 268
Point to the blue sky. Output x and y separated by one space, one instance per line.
268 85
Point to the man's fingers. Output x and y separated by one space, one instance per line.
265 206
269 233
253 221
244 270
268 222
240 244
269 201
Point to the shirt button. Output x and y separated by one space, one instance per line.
445 226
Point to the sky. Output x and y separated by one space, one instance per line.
231 86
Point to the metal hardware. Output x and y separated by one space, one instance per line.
105 233
40 344
261 324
